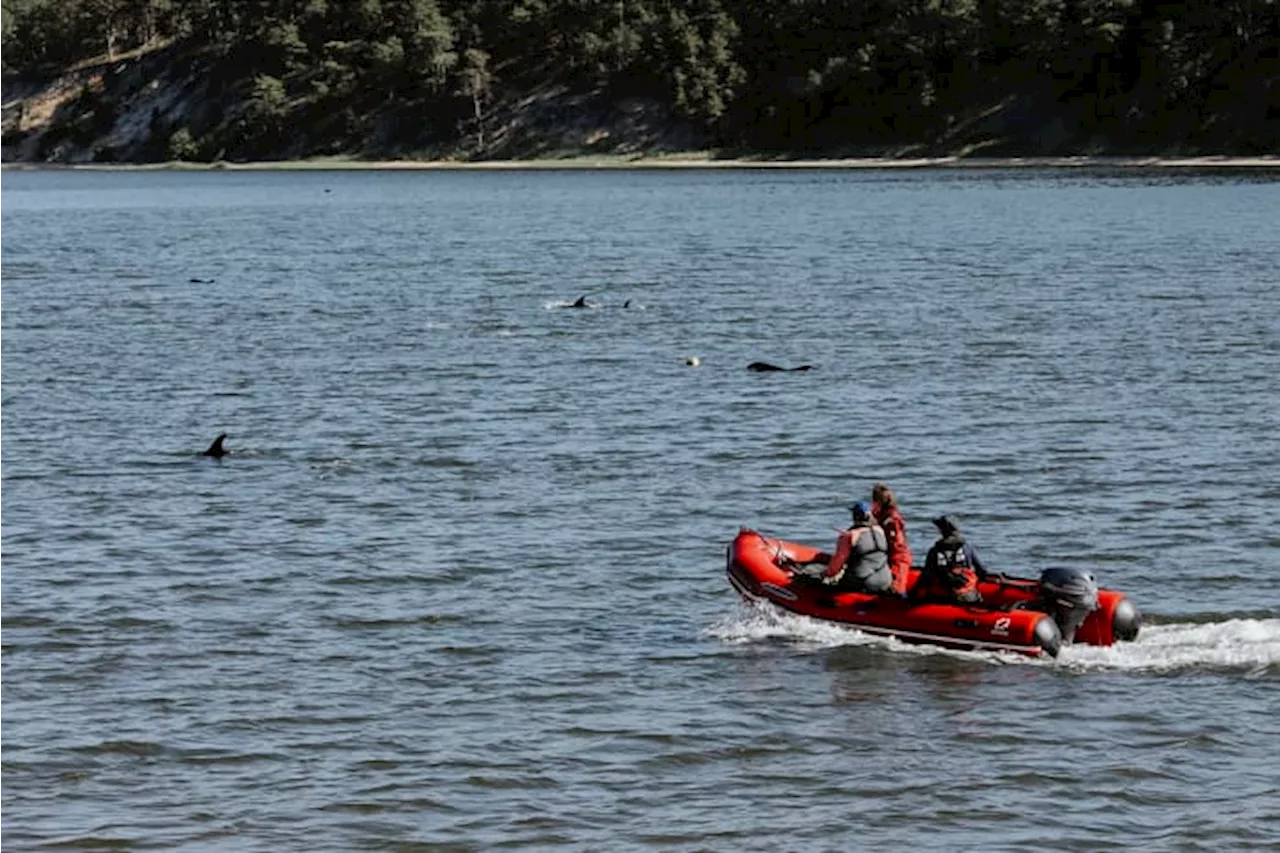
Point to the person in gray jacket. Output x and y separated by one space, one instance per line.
861 560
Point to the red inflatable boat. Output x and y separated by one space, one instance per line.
1031 617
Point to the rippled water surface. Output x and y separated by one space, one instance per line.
459 584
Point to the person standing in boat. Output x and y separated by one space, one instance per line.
861 560
884 508
952 568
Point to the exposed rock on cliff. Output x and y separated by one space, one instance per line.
159 104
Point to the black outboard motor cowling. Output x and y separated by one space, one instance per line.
1069 596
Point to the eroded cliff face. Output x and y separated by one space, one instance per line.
33 106
106 111
163 104
159 104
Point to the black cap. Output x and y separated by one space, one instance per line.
946 524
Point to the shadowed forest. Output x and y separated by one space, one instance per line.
156 80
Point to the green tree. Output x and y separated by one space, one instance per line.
703 69
427 38
476 79
265 115
182 145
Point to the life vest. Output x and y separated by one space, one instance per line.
868 562
955 569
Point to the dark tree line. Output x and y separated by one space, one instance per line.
784 75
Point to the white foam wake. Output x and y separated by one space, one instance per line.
1248 645
763 623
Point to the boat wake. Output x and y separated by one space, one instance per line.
1250 646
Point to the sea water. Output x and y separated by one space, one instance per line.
460 582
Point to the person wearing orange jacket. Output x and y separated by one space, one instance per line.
952 568
884 506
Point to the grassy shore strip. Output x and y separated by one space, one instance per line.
690 160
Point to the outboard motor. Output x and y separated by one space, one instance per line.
1125 621
1069 596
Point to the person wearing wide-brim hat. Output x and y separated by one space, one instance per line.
952 568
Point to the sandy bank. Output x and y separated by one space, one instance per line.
700 161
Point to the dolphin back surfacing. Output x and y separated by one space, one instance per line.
216 450
766 367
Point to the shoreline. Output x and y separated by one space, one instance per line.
680 162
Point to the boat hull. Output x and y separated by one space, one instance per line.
760 568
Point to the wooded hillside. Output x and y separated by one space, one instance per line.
252 79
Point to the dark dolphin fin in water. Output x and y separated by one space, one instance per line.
766 367
216 450
581 303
